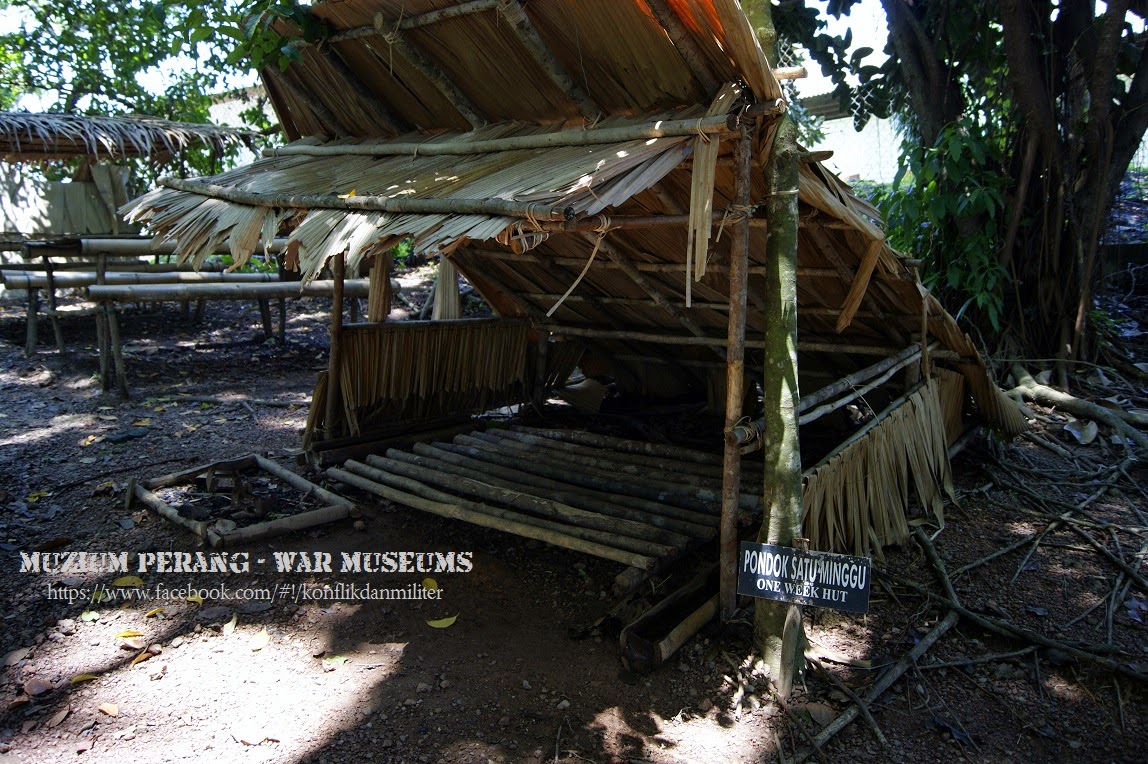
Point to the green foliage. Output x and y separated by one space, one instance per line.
946 205
403 253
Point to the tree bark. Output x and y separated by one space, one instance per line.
777 625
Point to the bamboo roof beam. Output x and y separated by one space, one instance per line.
672 128
652 290
444 205
524 30
638 221
414 56
376 105
685 44
414 22
512 257
634 302
707 341
287 81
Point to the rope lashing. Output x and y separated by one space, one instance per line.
602 229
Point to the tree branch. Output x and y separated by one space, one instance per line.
1025 73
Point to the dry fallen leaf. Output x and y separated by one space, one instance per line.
129 633
142 422
83 678
259 641
14 657
108 708
195 598
430 584
134 643
153 613
58 717
140 658
89 616
442 623
1084 432
230 625
36 686
128 581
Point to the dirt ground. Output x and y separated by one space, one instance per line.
521 674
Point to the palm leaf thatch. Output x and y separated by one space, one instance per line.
29 137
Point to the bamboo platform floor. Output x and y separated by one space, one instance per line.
641 504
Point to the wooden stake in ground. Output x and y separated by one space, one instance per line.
735 381
333 397
778 629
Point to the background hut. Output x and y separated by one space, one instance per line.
595 169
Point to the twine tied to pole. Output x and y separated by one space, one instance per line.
602 229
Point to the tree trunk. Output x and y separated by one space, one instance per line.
777 626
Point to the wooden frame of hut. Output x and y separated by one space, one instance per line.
596 170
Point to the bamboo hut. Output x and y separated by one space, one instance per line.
595 169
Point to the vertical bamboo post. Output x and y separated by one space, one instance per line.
265 318
57 330
735 378
32 330
379 295
539 398
778 629
335 360
117 351
279 262
103 340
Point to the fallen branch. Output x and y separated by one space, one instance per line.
862 706
797 723
1047 396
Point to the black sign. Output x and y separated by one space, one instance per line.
820 579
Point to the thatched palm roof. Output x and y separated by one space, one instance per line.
29 137
400 79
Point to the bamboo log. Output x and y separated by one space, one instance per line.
631 222
334 370
683 520
692 340
279 526
649 288
519 22
636 462
625 445
57 330
527 502
248 291
32 322
664 473
404 204
735 383
117 349
300 483
671 128
413 55
103 342
413 22
93 245
79 279
168 512
480 514
790 73
573 262
186 476
687 497
685 45
674 530
646 643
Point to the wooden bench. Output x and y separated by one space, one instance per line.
107 295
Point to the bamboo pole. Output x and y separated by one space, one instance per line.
610 465
671 128
300 483
418 60
685 45
457 509
279 526
224 291
672 531
638 463
573 262
632 222
334 368
649 288
777 625
404 204
32 319
79 279
94 245
625 445
168 512
527 502
103 337
519 22
735 382
50 286
412 22
678 339
659 487
460 456
117 349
